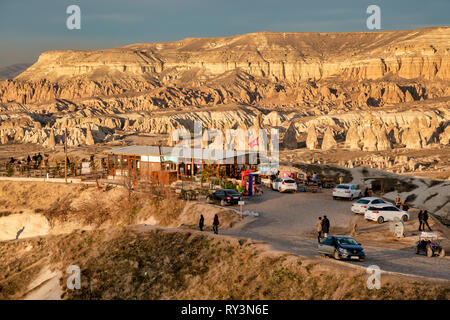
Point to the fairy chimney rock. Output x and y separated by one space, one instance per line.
328 141
311 139
290 138
51 140
89 137
352 138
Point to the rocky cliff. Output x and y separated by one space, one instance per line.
321 81
248 68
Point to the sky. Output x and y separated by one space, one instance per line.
30 27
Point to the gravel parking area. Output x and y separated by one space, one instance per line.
287 221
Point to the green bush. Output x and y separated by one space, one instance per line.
9 170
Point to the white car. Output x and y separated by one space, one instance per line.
362 204
346 190
284 184
382 213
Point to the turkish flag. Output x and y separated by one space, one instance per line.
254 143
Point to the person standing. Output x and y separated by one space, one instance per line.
216 224
314 178
319 229
325 226
405 206
421 224
425 220
398 201
201 223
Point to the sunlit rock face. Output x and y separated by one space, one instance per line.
322 90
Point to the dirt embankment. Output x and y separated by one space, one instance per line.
39 208
142 262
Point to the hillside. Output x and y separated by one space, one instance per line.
147 263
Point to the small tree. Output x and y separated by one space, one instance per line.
9 170
93 164
208 171
73 168
22 169
57 169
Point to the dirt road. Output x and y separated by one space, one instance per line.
287 222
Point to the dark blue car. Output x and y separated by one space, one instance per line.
342 247
224 197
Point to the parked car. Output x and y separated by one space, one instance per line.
346 190
381 213
430 245
284 184
342 247
224 197
362 204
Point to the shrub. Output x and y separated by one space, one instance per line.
9 170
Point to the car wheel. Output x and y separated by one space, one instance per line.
442 253
429 252
223 202
334 198
405 218
336 255
380 220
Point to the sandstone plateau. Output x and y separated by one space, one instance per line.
367 91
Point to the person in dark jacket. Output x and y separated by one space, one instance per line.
420 217
325 226
425 220
216 224
405 206
201 222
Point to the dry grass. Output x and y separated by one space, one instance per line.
155 264
90 205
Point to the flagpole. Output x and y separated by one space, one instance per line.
65 153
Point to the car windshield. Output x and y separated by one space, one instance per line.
289 181
363 201
343 187
231 192
345 241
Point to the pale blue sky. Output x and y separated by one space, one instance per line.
29 27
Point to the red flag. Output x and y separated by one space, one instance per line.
254 143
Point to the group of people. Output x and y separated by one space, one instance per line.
401 205
215 226
368 192
323 227
423 220
34 161
309 178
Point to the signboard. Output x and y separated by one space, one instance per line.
151 158
85 167
268 168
